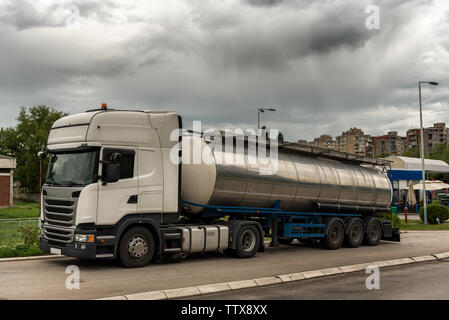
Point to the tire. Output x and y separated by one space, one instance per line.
137 247
354 236
248 242
335 234
373 232
285 241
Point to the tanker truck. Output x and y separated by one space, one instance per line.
113 191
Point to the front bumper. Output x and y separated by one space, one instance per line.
75 249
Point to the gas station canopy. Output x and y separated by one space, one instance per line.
407 163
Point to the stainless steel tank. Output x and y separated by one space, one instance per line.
303 182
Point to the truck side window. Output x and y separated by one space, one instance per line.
127 166
126 162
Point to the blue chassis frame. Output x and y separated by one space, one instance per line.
295 224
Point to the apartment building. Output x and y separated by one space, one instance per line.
355 141
324 141
433 136
389 144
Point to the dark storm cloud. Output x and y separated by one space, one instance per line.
264 3
218 61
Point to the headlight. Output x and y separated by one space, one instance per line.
84 237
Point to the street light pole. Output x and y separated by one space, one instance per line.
423 171
258 114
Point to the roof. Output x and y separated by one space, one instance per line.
430 165
6 157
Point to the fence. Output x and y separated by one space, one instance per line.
10 235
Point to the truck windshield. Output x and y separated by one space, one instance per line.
72 169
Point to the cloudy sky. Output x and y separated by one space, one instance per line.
218 61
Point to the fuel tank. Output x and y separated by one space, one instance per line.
303 182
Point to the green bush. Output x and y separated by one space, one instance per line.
20 251
29 235
435 211
394 219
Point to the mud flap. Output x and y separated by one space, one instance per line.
389 233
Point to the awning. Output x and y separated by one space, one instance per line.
432 185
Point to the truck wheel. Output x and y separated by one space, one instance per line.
285 241
354 237
335 234
373 232
248 242
136 248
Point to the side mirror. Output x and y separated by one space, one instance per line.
41 155
112 173
115 157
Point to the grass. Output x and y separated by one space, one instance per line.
10 233
12 237
418 225
20 251
21 210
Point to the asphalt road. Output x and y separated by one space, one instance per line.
45 279
420 281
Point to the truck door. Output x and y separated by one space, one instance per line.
151 181
117 199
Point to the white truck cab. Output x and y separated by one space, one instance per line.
105 165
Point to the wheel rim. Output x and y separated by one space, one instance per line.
356 232
335 234
248 240
375 232
137 247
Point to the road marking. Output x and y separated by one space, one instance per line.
266 281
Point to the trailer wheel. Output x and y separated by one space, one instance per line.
248 242
136 247
373 232
354 237
335 234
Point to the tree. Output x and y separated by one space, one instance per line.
280 137
412 153
383 155
25 140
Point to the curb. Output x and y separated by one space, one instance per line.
53 256
266 281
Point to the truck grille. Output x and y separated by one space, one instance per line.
58 234
59 212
